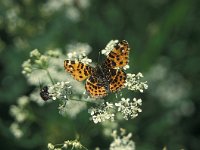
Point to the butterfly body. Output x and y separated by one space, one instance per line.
105 78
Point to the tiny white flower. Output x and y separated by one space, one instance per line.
109 47
35 53
16 131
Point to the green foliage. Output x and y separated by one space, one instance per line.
164 41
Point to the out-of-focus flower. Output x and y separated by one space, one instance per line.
122 141
18 111
71 108
73 8
16 131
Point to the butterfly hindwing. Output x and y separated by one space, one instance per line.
118 79
78 70
118 57
94 88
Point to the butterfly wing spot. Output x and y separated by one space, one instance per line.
118 57
77 69
118 80
94 89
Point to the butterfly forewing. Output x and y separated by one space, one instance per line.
94 88
78 70
118 57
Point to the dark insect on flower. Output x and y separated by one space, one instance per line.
106 77
44 93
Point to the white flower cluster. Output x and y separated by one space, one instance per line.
36 61
133 82
129 108
60 90
102 113
106 111
122 142
72 144
38 69
79 52
70 105
71 7
15 130
20 113
109 47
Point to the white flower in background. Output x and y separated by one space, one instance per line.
109 47
122 141
35 53
73 8
133 82
38 68
56 53
71 108
171 89
79 52
50 146
73 14
108 127
167 85
18 111
16 131
27 70
78 48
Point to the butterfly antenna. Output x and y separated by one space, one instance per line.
99 57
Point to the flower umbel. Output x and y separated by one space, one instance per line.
60 90
102 113
107 111
129 108
71 144
133 82
122 141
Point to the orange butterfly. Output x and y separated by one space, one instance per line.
104 78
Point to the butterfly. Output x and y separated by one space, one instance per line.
106 77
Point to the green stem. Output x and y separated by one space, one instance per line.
84 147
48 74
84 101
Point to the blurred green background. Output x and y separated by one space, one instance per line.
164 40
